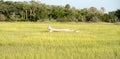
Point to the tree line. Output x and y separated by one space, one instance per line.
37 11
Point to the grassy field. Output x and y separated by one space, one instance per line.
27 40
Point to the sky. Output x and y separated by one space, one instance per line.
109 5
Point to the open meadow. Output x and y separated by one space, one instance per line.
31 40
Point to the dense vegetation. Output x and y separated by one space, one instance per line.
36 11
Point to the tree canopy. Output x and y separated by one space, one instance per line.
37 11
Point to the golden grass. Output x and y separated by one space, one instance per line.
28 40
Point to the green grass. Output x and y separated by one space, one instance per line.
27 40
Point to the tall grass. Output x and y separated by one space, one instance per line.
27 40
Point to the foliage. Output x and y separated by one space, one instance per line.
2 17
37 11
117 13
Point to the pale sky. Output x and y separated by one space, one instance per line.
109 5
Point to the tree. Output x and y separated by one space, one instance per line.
2 17
93 9
34 11
67 6
1 0
110 17
117 13
102 10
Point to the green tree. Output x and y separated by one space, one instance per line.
117 13
110 17
34 11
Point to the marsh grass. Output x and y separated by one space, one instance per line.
27 40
